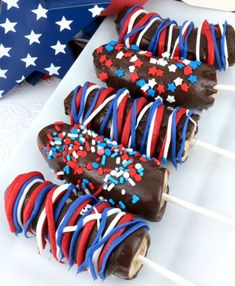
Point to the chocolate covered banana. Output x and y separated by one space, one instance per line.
101 167
86 232
149 128
184 83
209 43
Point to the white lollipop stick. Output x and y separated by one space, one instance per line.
199 210
164 272
225 87
215 149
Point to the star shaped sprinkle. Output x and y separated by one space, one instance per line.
166 55
103 76
134 77
195 64
134 58
138 63
152 82
35 38
120 73
145 87
151 92
161 88
192 78
172 68
171 87
153 61
170 99
178 81
96 10
141 82
185 87
162 62
120 55
131 68
188 70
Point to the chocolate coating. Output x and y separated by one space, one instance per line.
98 119
198 95
144 43
121 259
149 190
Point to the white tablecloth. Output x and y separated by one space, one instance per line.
18 109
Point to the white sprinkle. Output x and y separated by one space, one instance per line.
58 142
134 58
153 61
131 182
118 160
138 166
110 187
93 142
81 148
113 173
92 149
131 68
126 175
120 173
60 173
106 178
123 192
52 143
105 187
145 87
120 55
101 198
72 135
75 155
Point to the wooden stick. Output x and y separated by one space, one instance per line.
199 210
225 87
215 149
164 272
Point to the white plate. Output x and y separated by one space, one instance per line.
197 248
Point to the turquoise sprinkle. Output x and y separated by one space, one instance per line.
114 155
103 160
111 179
111 201
135 199
127 163
95 165
122 180
164 160
122 205
107 152
68 157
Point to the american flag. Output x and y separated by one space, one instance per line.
34 36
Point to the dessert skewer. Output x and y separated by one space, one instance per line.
209 43
80 229
179 82
150 128
123 177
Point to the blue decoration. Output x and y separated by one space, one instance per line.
35 34
120 73
135 199
195 64
141 82
171 87
192 78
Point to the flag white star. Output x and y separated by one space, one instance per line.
40 12
172 68
59 48
152 83
11 3
33 38
178 81
52 69
3 73
4 52
96 10
64 24
29 61
170 99
21 79
8 26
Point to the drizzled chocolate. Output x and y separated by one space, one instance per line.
91 106
185 83
99 166
209 43
26 202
